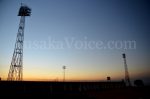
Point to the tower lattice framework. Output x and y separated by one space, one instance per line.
127 78
16 67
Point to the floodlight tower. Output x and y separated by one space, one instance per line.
64 67
127 78
16 67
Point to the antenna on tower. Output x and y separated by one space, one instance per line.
127 78
16 67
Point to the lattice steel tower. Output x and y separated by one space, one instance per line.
127 78
16 67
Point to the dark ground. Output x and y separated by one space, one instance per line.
72 90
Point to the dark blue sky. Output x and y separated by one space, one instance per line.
88 36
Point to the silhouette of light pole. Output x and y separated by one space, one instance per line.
64 67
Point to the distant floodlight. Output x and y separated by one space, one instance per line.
64 67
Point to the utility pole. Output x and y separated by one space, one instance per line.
16 67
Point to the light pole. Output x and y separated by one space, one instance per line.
64 67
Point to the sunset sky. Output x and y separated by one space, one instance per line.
86 36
